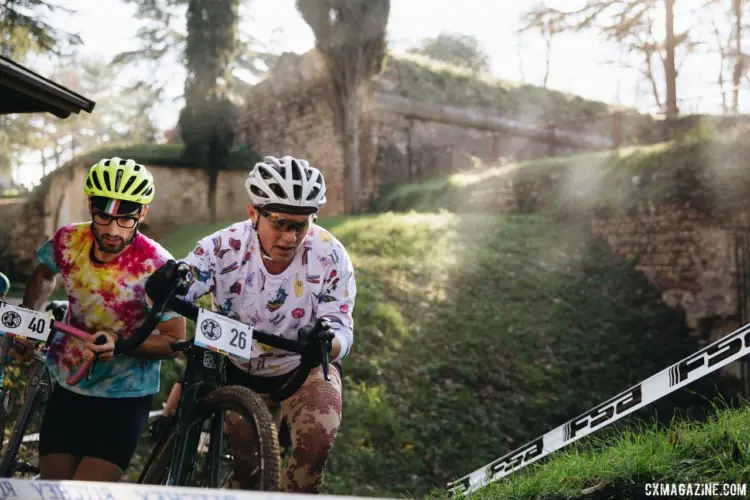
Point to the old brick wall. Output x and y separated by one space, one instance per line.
289 113
689 258
682 253
412 150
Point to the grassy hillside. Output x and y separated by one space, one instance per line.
474 334
717 451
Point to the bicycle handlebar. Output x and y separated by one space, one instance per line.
121 346
190 311
87 367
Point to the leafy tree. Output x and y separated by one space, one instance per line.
630 23
208 119
457 49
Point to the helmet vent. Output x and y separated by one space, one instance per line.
278 191
97 182
118 179
258 192
296 173
140 187
128 184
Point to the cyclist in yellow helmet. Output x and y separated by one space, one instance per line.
90 430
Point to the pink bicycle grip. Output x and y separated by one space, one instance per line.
80 335
77 376
72 331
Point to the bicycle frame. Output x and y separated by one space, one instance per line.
203 374
36 384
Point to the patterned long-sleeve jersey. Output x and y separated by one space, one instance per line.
318 283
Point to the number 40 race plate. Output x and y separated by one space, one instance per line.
219 333
24 322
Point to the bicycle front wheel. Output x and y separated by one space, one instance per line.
230 443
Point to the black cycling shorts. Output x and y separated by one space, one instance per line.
87 426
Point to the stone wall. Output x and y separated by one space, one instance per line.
686 256
429 143
682 253
401 139
289 113
180 200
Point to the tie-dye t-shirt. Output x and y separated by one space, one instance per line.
318 283
103 296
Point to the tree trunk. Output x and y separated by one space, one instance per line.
650 76
722 60
670 70
45 167
739 63
547 59
352 167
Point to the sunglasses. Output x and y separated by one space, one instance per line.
285 225
124 221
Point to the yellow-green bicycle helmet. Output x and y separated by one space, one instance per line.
120 179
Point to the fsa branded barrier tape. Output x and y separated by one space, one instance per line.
712 357
23 489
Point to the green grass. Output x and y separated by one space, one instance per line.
684 452
475 334
183 241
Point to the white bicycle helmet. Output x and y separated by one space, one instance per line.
288 184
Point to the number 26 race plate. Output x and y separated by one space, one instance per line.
219 333
24 322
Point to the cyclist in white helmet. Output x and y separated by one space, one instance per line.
278 271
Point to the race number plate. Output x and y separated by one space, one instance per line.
24 322
219 333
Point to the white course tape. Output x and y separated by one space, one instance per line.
82 490
712 357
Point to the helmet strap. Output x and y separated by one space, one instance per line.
263 252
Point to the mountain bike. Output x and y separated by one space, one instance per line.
188 449
17 456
